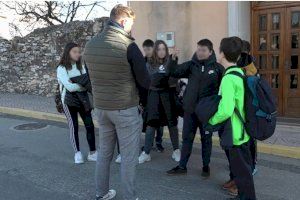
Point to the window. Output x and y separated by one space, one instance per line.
295 40
295 19
262 22
293 81
275 61
294 62
275 42
275 21
275 81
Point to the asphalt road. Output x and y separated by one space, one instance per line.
38 165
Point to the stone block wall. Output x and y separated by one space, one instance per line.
28 64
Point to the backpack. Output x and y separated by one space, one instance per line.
57 99
260 107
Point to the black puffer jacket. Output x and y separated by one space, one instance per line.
78 99
204 78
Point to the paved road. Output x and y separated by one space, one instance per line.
38 165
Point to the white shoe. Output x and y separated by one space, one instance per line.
176 155
92 157
110 195
119 159
78 158
144 157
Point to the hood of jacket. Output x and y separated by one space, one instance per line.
211 59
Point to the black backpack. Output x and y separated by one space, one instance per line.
260 107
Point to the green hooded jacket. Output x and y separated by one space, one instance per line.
232 91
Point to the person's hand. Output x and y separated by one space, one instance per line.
175 53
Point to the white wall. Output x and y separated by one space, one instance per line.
239 19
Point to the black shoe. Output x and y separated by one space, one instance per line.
177 171
160 148
205 172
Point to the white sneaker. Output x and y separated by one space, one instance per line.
144 157
78 158
119 159
92 157
110 195
176 155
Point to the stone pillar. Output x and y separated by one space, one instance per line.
239 19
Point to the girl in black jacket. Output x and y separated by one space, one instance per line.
74 86
161 105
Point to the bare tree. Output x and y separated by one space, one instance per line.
52 12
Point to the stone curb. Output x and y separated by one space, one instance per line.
279 150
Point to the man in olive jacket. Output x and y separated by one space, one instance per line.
119 76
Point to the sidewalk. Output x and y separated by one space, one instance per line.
287 134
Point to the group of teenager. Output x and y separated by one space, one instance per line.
132 93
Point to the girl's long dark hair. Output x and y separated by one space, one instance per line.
65 59
155 60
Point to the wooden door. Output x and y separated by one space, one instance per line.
268 40
291 68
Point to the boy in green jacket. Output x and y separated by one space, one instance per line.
232 91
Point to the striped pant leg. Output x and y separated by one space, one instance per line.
72 118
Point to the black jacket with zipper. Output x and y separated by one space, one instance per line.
204 78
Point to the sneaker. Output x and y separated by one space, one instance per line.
254 171
118 159
160 148
177 171
176 155
205 172
144 157
233 191
110 195
92 157
78 158
228 184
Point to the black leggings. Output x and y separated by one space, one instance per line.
72 117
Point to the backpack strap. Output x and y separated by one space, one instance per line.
236 111
236 74
86 69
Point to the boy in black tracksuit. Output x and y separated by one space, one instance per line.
204 76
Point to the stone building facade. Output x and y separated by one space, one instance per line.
28 64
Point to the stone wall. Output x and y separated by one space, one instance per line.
28 64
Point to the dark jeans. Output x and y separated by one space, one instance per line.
190 126
230 171
241 166
253 151
150 133
159 135
72 117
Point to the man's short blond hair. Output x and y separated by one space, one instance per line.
120 11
